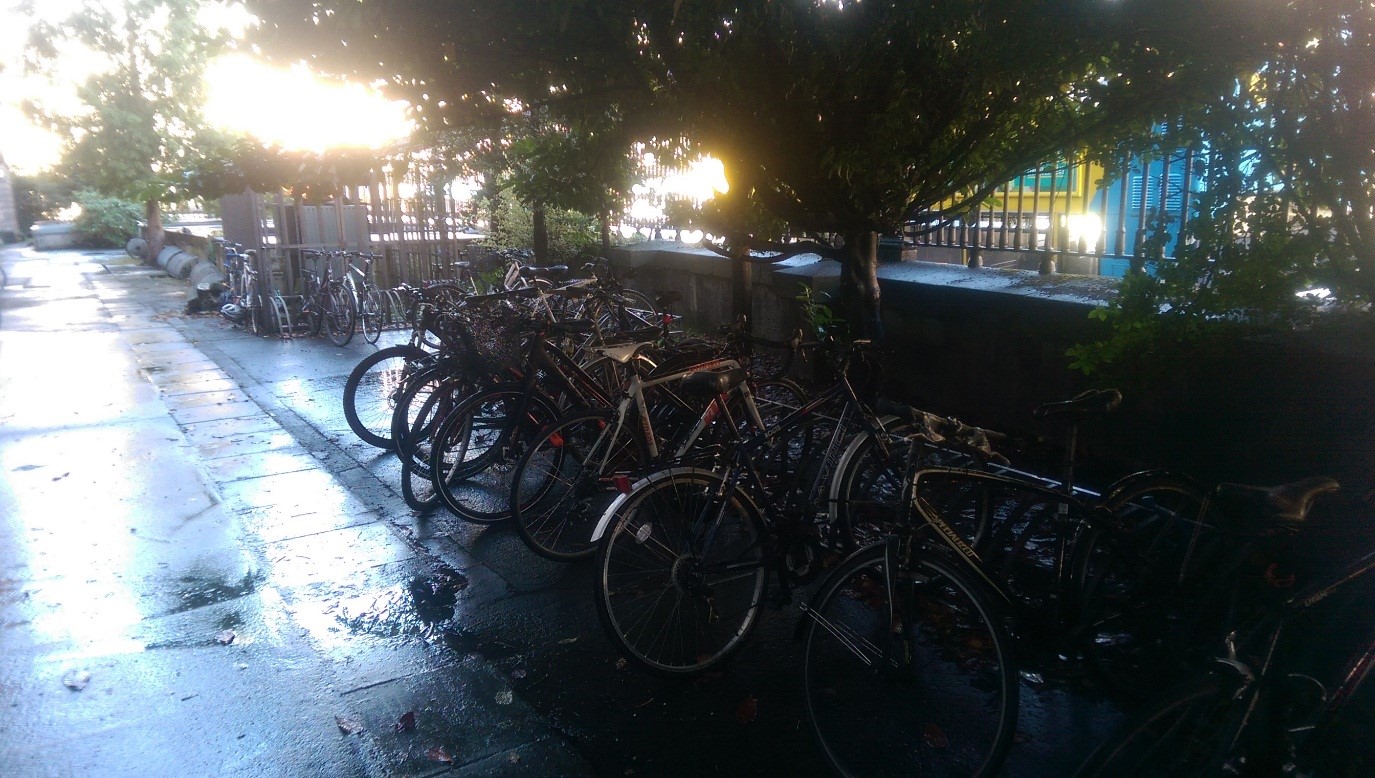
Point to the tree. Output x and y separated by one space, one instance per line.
1288 202
140 124
838 117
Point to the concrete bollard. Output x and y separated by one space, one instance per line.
166 255
179 265
205 275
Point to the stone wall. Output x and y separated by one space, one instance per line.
988 345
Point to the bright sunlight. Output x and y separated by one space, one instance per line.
296 109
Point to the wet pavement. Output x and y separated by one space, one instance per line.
202 570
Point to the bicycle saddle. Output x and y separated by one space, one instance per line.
711 383
664 298
1094 402
529 271
1283 504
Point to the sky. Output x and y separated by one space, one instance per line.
288 106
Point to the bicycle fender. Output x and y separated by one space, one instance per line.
833 491
809 607
610 513
1130 482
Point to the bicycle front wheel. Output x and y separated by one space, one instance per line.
681 573
475 449
565 481
908 671
372 389
371 315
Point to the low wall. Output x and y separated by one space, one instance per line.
988 345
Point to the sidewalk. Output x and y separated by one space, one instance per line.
179 577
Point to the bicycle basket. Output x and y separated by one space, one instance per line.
493 339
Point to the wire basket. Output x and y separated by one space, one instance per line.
493 339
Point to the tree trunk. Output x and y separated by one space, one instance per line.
742 285
152 230
540 238
606 235
859 292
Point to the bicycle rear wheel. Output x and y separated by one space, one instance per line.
1136 580
681 573
1193 730
908 671
341 319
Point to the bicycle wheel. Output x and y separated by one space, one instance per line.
314 311
908 672
1137 579
474 451
1192 730
371 315
441 399
370 393
564 482
681 573
417 488
417 414
341 319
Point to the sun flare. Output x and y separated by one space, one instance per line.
296 109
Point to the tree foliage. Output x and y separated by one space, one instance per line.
838 117
1288 167
140 125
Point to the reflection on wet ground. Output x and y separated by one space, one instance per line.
237 581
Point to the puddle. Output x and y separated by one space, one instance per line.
202 592
422 607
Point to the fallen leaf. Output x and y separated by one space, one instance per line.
934 736
348 726
505 697
226 637
566 641
518 673
749 708
76 680
621 663
60 477
438 754
406 723
513 757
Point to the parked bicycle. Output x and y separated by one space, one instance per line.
1263 708
328 305
910 664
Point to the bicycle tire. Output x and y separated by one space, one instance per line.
663 507
1130 575
475 450
440 400
925 686
565 481
414 400
1191 730
417 488
371 315
371 390
341 319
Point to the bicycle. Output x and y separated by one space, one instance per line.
718 533
1259 710
979 557
327 302
369 300
487 433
